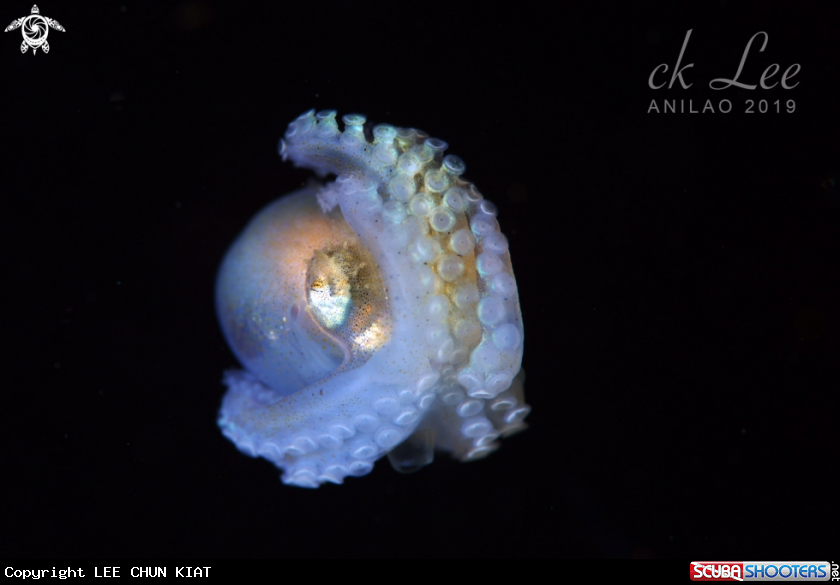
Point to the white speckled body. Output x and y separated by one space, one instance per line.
437 366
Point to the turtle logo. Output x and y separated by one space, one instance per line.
35 28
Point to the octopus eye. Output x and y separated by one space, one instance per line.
376 314
347 297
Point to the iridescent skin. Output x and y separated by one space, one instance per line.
374 315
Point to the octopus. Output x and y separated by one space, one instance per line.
375 314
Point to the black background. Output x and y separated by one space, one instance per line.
678 276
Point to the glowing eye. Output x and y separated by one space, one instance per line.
347 297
